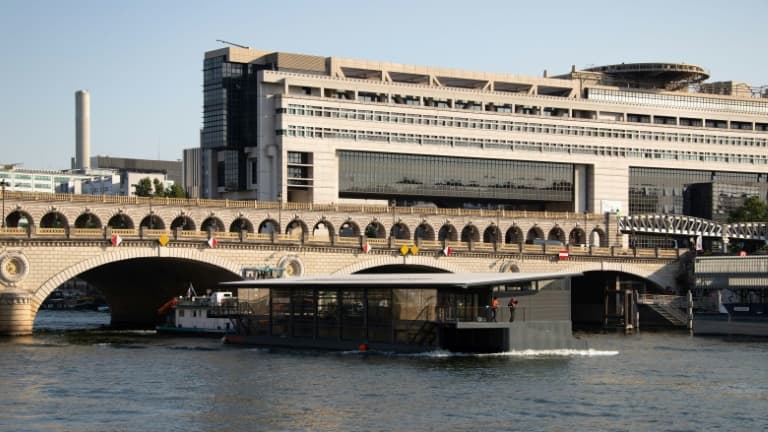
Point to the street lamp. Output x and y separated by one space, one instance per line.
586 233
3 184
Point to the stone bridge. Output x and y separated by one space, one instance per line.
140 252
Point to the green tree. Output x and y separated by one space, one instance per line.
159 188
144 187
753 210
175 191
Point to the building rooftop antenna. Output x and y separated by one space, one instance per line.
232 43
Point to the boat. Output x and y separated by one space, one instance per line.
406 312
197 315
732 296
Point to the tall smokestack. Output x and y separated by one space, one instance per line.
82 130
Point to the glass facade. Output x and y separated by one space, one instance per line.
660 190
229 119
453 181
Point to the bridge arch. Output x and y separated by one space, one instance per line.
87 220
557 234
152 221
349 229
241 224
323 228
212 223
598 237
269 226
120 221
183 222
392 260
448 233
577 237
296 227
123 254
534 233
54 219
470 233
492 234
19 219
424 232
400 231
514 235
375 230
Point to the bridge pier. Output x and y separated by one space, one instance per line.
16 314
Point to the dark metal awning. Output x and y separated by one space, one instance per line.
402 280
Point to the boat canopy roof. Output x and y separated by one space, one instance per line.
400 280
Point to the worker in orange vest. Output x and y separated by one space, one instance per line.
494 307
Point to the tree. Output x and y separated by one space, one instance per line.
144 187
176 191
753 210
159 188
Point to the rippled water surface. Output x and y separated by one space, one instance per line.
63 379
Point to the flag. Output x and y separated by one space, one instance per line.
447 251
116 240
366 247
212 242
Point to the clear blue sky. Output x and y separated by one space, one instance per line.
141 61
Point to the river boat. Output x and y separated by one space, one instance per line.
406 312
731 296
197 315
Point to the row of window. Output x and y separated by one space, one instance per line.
678 101
517 126
513 145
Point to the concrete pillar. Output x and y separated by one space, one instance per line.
16 316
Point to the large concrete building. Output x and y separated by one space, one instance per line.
625 137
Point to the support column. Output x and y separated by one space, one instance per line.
16 314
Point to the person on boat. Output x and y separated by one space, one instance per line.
512 305
494 307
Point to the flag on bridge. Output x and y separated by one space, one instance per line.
212 242
116 240
366 247
447 251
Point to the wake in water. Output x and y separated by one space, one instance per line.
521 354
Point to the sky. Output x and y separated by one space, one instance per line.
141 61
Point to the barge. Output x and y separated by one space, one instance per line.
407 312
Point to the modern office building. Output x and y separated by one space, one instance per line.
20 179
191 172
625 137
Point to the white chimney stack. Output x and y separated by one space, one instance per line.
82 130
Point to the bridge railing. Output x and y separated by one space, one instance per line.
297 238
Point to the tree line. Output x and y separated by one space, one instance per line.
147 187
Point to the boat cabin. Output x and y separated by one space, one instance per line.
407 312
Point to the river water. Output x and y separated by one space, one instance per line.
72 376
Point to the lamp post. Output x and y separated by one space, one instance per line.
279 211
586 233
3 184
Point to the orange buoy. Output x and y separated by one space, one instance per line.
363 347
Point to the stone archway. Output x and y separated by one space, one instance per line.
153 221
470 234
120 221
349 229
556 234
424 232
241 224
88 220
212 223
19 219
514 235
183 222
375 230
448 233
577 237
323 229
296 228
269 226
400 231
492 234
54 219
534 233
